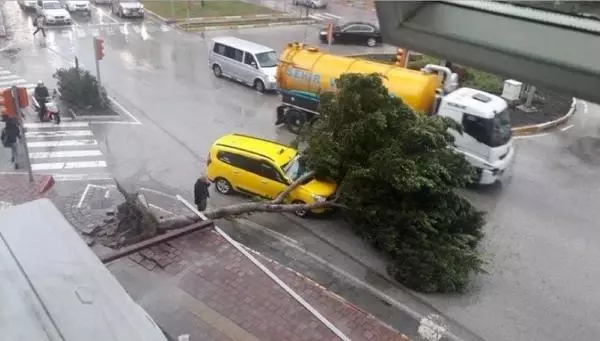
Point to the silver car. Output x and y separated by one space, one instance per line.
244 61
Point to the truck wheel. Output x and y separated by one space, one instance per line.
217 71
295 120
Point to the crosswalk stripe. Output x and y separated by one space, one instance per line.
80 177
9 76
67 143
65 154
68 165
325 16
12 82
4 72
63 125
59 133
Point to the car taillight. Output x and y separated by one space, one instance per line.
208 160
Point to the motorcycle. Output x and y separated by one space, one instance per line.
52 111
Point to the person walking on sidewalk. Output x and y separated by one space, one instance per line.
201 193
38 22
10 136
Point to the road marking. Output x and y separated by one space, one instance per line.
530 136
124 110
432 328
12 82
80 177
68 143
324 16
567 127
53 125
62 125
65 153
9 76
161 209
68 165
83 195
59 133
585 107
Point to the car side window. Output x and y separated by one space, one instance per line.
365 28
269 172
238 55
249 59
219 49
350 28
240 161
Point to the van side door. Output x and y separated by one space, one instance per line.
245 173
273 182
250 68
234 63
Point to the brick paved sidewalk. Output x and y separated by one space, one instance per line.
15 189
229 298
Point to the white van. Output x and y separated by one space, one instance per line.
53 286
244 61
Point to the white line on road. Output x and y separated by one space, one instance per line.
87 188
567 127
124 110
13 82
80 177
530 136
5 72
62 125
59 133
68 143
9 76
161 209
585 107
65 154
68 165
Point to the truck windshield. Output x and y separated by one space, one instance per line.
267 59
295 168
500 130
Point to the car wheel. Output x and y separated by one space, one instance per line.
259 85
371 42
295 120
300 212
223 186
217 71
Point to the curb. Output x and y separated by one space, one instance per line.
538 128
225 27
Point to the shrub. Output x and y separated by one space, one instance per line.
79 88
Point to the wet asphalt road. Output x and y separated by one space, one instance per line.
542 236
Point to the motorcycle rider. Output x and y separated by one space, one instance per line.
41 94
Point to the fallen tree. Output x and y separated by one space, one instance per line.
397 180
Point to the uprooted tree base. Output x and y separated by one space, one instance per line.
135 221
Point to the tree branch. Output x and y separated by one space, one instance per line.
279 199
239 209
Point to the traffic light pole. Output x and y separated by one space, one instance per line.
97 67
23 139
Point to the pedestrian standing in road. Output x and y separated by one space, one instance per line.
201 193
38 22
10 137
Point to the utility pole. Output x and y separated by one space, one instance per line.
99 53
23 139
530 94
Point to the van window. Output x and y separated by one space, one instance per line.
269 172
240 161
249 59
228 51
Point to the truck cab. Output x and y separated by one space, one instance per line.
486 139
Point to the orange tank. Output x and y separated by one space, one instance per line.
306 69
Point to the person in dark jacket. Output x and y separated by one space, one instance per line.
201 193
10 135
41 94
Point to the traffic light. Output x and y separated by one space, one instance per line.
8 103
99 47
400 58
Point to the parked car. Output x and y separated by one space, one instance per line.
311 3
101 2
53 12
353 33
263 168
127 8
78 6
244 61
27 5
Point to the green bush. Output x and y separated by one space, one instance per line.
79 88
482 80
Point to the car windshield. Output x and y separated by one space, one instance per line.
295 168
499 129
267 59
52 5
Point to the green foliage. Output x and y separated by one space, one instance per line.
79 88
398 176
482 80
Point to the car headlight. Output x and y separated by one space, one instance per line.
318 198
272 78
323 33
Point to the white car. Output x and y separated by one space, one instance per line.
80 6
54 13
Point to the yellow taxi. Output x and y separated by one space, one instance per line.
263 168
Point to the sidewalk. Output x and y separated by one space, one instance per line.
16 189
202 286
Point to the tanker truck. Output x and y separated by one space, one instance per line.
486 141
